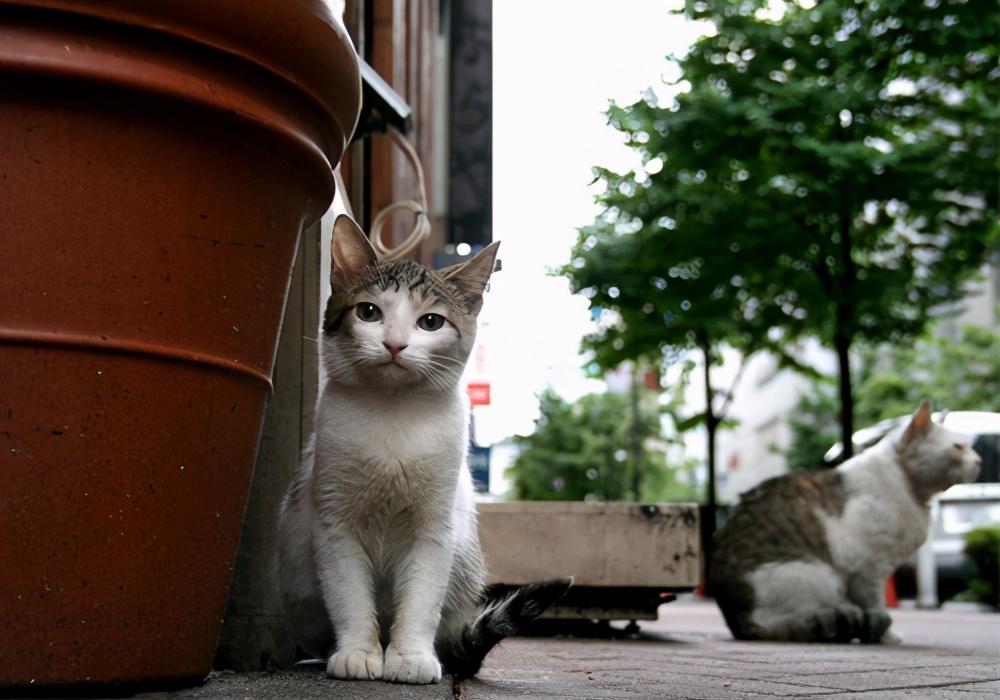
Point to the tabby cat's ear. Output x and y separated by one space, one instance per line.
472 275
352 252
919 425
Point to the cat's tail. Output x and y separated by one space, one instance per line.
498 617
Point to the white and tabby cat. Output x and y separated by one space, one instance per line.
805 557
379 556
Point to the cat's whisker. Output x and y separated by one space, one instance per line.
345 362
460 363
434 377
446 379
439 381
342 365
440 367
435 381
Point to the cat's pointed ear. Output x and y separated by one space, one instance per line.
352 252
472 275
919 425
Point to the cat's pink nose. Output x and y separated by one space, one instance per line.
394 348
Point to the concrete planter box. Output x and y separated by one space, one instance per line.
627 558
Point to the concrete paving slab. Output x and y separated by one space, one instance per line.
974 672
688 653
307 683
915 694
900 679
981 687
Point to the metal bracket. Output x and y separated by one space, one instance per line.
381 106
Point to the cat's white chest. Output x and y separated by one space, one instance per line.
393 430
382 456
881 524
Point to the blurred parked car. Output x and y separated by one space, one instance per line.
958 510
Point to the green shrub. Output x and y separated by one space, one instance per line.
982 545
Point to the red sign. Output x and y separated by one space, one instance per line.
479 393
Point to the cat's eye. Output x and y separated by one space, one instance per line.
368 312
431 322
958 446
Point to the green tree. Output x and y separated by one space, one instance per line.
584 451
829 173
959 375
813 426
982 545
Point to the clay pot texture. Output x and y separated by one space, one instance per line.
158 162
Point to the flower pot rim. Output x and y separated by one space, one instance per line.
319 60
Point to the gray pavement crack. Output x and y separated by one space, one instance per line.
888 669
921 686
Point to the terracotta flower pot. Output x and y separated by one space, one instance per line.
158 162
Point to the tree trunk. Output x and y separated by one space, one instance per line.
635 439
843 334
711 420
842 343
708 510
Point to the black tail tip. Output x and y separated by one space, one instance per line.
552 590
538 597
505 615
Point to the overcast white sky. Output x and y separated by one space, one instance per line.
556 64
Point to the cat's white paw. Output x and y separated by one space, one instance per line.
355 663
411 667
891 637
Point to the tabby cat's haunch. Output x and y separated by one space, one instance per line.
379 558
805 557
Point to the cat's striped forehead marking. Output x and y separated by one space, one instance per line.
408 276
399 276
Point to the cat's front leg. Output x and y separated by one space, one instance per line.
868 593
346 579
421 585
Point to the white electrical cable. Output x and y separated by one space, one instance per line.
421 227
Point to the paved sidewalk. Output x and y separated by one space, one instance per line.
689 653
307 684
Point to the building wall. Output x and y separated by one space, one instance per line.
980 305
765 396
407 45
